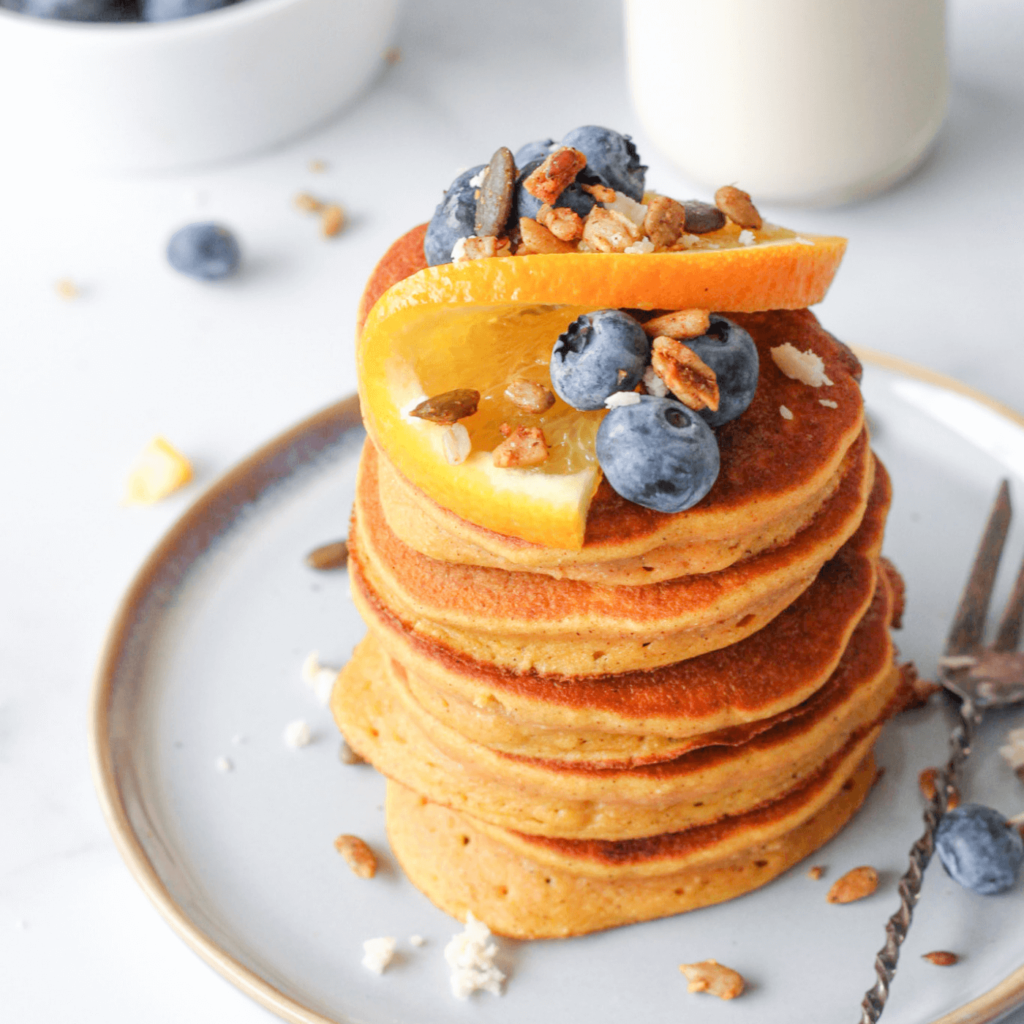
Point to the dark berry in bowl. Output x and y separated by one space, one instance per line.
538 150
454 218
76 10
207 252
612 159
657 453
168 10
598 354
731 353
979 849
528 205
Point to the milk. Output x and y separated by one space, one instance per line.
809 101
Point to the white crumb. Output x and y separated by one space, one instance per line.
654 384
747 237
470 955
478 179
828 403
417 940
786 414
224 765
617 399
319 678
459 250
378 953
805 367
456 443
297 734
688 241
629 208
645 245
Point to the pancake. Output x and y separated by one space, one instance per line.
593 750
461 868
755 503
734 686
525 621
552 799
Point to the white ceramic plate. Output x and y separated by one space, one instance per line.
203 662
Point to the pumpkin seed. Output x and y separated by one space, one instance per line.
702 217
494 199
448 408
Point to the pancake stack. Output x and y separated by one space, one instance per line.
665 719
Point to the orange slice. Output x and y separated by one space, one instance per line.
483 323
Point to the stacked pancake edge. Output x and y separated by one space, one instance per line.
667 719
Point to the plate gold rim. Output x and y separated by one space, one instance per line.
988 1007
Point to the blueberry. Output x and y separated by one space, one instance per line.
454 218
979 849
657 453
204 251
76 10
599 353
538 150
527 205
167 10
612 159
731 353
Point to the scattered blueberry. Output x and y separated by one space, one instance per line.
454 218
527 205
538 150
76 10
979 849
612 159
204 251
702 217
731 353
657 453
167 10
598 354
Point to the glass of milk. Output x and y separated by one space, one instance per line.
804 101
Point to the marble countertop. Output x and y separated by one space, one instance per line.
933 274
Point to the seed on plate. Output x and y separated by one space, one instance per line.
494 199
329 556
332 220
712 977
854 885
358 856
941 958
448 408
816 872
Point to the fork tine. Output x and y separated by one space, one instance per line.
969 622
1010 624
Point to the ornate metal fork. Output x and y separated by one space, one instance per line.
980 678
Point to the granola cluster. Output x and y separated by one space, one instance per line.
615 223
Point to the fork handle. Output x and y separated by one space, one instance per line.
920 854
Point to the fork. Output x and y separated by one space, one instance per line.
980 678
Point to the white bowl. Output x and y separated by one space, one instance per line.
154 96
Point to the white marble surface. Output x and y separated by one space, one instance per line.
933 274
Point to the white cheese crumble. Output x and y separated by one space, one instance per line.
224 765
828 403
654 384
617 399
459 250
786 414
471 958
319 678
1013 750
297 734
456 444
645 245
378 953
417 940
805 367
629 208
478 179
688 241
747 237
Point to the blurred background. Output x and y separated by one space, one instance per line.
104 346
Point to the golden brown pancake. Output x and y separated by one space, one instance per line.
775 475
525 621
462 868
